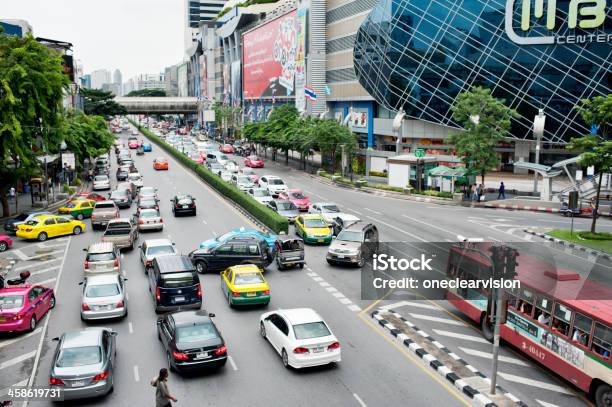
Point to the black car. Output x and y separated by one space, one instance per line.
174 284
234 251
191 340
183 205
122 174
12 224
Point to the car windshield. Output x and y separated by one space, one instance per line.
276 181
260 193
101 178
285 206
134 176
248 278
298 195
93 257
243 180
177 280
102 290
330 208
311 330
146 203
254 158
149 214
119 193
157 250
196 333
349 236
161 160
315 223
185 201
71 205
22 217
32 222
11 301
82 356
147 191
105 205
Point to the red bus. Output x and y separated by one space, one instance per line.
571 337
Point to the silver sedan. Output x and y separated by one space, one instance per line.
103 297
83 365
149 219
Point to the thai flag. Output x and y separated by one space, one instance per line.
310 94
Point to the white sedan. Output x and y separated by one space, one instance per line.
273 184
300 336
136 179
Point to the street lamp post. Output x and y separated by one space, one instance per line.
538 132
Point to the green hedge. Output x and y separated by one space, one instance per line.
267 216
595 236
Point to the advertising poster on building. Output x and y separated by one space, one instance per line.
269 55
359 120
226 84
203 78
235 81
68 161
300 55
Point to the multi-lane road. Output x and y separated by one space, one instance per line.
374 370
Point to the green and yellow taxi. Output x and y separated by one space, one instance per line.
245 285
78 209
313 229
42 227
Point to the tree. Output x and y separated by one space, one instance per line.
595 149
476 144
86 136
329 136
32 85
147 93
225 116
279 126
100 103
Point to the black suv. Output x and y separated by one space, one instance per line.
235 251
174 284
183 205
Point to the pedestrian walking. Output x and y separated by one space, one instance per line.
474 193
12 193
163 398
502 191
481 192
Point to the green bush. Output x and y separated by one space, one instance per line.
378 174
267 216
595 236
76 181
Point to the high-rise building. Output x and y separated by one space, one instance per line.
171 80
199 11
15 27
86 81
99 78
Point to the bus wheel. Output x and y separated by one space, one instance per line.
487 328
603 395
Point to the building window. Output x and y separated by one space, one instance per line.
349 10
340 75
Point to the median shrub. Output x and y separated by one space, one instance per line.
595 236
265 215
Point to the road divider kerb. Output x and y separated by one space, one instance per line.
568 244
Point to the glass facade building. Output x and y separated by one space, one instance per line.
417 55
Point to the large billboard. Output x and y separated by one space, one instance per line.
268 55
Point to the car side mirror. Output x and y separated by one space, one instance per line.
113 333
211 315
56 339
333 237
81 282
140 246
84 250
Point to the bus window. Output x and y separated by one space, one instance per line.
543 309
525 304
602 340
582 329
561 320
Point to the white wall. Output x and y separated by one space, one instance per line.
399 175
378 164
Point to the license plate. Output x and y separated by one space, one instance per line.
179 299
150 221
78 383
321 240
318 350
251 294
341 256
185 206
202 355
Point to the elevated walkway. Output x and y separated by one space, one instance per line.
160 105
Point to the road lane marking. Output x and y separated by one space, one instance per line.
204 222
373 211
42 255
40 263
354 308
545 404
399 230
4 391
338 295
131 327
19 254
34 273
231 360
354 211
47 281
409 304
436 319
359 400
11 341
331 289
136 373
454 234
493 239
345 301
18 359
324 284
486 355
535 383
318 279
461 336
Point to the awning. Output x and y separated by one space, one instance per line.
49 158
444 171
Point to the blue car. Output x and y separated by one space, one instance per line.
246 232
147 147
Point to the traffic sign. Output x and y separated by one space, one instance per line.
420 153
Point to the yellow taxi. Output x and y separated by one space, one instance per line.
245 285
78 209
313 229
42 227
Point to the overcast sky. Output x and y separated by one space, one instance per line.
136 36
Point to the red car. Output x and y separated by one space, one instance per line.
133 143
160 164
227 149
91 195
5 243
23 305
297 197
254 162
197 158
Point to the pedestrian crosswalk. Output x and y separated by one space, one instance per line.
530 382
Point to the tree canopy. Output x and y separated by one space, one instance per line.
86 136
147 92
100 103
486 121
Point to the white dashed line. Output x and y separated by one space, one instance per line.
436 319
312 274
345 301
17 360
131 327
204 222
354 308
359 400
231 360
461 336
324 284
354 211
373 211
338 295
493 239
11 341
136 373
317 279
331 289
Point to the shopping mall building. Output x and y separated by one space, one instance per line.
366 60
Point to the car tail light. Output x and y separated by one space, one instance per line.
93 217
158 294
161 220
177 206
86 265
116 263
199 289
235 294
85 307
300 350
28 229
100 376
266 292
221 350
149 263
180 356
335 345
120 304
54 381
141 222
17 317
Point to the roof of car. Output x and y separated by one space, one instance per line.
312 216
174 264
298 316
245 268
358 226
106 202
184 318
158 242
16 289
101 247
271 176
85 337
106 278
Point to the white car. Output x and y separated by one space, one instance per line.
149 219
101 182
226 176
261 195
103 297
243 182
232 166
300 336
136 179
153 248
330 211
273 184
